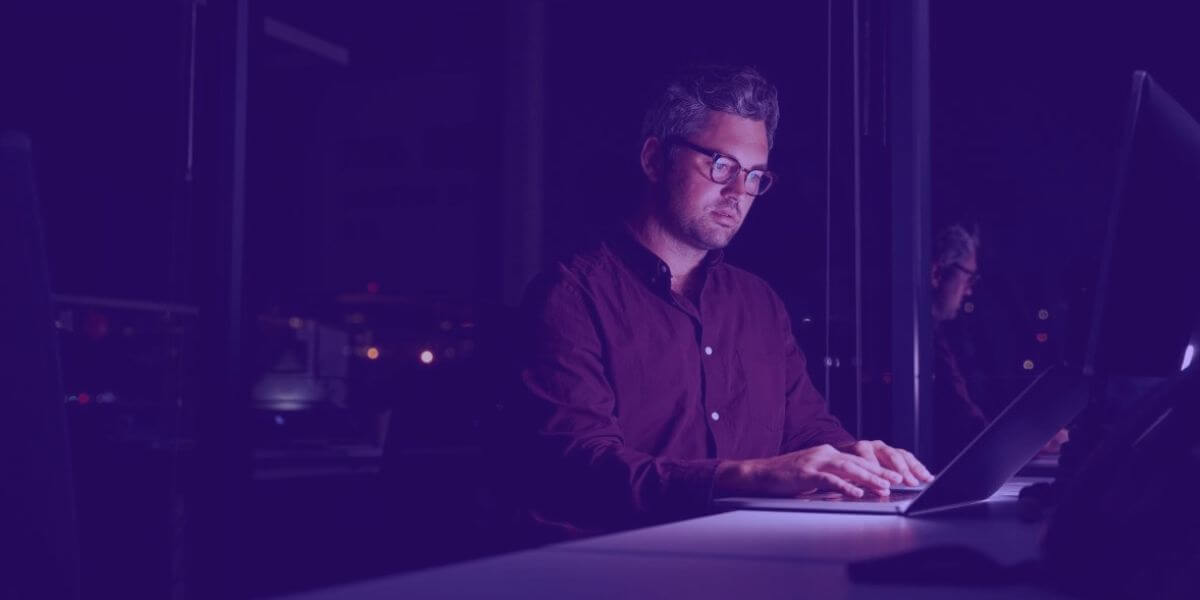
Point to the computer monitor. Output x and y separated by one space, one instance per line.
1147 296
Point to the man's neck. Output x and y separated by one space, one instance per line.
680 257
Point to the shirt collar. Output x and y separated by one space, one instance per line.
646 264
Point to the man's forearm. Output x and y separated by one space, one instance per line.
732 478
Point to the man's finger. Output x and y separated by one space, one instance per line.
897 462
866 452
874 468
916 467
856 473
834 482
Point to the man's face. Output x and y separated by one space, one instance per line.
951 285
699 212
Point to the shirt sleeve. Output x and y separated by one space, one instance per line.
956 418
807 420
591 478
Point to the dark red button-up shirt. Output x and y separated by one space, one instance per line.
637 393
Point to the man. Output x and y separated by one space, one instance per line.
955 270
957 419
658 375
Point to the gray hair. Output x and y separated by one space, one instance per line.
682 107
953 244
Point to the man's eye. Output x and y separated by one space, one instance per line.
723 165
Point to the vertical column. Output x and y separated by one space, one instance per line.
908 132
220 482
521 237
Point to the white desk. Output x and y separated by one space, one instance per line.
746 554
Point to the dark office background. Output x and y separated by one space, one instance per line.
409 165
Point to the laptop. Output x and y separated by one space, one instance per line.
1046 405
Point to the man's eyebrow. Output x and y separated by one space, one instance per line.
758 167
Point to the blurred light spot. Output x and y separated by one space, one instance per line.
288 405
295 323
450 353
72 398
447 325
1043 314
356 318
1027 365
1042 337
372 353
95 325
279 419
84 398
887 378
372 287
427 357
969 307
1189 353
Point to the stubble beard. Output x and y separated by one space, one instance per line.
700 230
706 234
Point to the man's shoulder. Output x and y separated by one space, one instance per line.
595 259
746 282
574 273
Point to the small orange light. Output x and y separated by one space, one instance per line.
1027 365
427 357
372 353
1042 337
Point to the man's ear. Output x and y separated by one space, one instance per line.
653 163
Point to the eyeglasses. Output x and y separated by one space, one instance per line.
725 168
972 276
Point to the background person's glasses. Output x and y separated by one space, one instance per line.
725 168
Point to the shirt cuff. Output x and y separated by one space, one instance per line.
692 485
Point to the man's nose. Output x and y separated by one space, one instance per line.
736 186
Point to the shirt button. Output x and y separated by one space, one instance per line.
708 352
716 416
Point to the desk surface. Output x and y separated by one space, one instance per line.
755 554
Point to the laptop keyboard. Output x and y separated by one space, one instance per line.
895 496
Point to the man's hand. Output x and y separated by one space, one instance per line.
1054 446
893 459
804 471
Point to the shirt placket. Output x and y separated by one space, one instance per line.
710 379
713 376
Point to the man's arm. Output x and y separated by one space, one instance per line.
808 422
591 478
809 426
